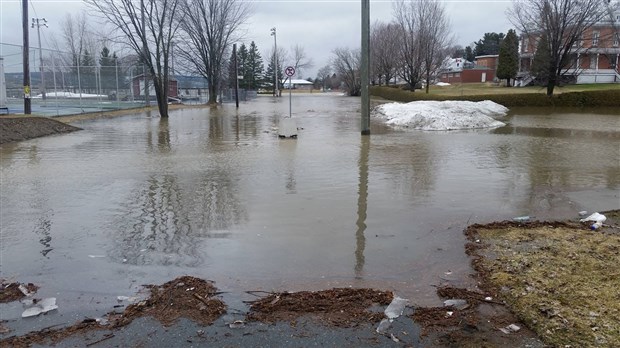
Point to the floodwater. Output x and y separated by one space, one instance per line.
135 200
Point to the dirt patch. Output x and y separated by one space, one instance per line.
561 278
10 292
341 307
186 296
23 128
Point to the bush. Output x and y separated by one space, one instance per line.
600 98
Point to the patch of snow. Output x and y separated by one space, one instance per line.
441 84
69 95
442 115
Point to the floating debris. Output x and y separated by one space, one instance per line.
43 306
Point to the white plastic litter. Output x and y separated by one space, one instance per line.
595 217
43 306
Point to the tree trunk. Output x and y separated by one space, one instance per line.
161 92
551 85
212 92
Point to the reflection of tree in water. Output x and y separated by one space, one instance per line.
43 228
416 172
164 222
162 134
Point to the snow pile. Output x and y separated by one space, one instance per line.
442 115
69 95
441 84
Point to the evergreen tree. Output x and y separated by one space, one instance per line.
542 61
242 66
232 74
489 44
107 71
254 68
508 64
87 72
269 73
469 54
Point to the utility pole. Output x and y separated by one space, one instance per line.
236 75
40 22
365 67
275 61
25 56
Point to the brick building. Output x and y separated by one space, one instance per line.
594 57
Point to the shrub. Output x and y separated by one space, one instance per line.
599 98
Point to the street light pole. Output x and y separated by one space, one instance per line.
275 61
25 60
365 67
40 22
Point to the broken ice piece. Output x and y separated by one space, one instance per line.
510 329
95 256
394 338
396 307
384 325
24 290
237 324
449 314
43 306
458 304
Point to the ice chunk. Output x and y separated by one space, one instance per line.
43 306
384 325
458 304
396 307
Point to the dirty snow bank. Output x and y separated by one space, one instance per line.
442 115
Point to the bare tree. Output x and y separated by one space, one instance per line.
347 63
434 36
323 75
148 27
562 23
407 14
300 59
384 48
210 28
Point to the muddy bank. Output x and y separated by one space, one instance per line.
24 128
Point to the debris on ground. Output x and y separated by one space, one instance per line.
40 306
553 275
14 291
341 307
186 296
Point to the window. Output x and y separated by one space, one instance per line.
595 36
524 44
616 39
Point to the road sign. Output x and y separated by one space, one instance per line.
289 71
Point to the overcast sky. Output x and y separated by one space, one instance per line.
317 25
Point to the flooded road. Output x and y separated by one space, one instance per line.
216 194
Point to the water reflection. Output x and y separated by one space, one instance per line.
165 220
43 228
288 147
362 206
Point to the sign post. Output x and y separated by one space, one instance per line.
290 72
288 127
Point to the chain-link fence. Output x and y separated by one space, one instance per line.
63 83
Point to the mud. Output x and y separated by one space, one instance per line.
24 128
